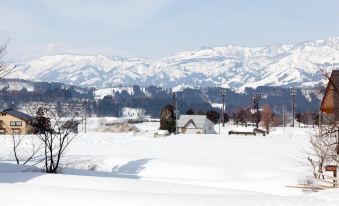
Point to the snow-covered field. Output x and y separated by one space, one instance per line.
137 169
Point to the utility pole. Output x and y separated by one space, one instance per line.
256 97
175 111
85 116
283 119
222 93
320 114
293 93
219 125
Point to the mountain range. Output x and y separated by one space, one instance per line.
231 66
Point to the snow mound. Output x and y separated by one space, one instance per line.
118 128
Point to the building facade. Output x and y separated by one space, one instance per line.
195 124
15 122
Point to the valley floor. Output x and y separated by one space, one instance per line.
137 169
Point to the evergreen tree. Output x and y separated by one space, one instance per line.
190 112
214 116
167 119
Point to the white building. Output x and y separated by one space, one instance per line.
128 112
195 124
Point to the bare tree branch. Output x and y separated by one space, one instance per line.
57 129
5 67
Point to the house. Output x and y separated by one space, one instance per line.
15 122
330 102
195 124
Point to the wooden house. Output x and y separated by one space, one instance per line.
15 122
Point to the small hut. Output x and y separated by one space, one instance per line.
71 125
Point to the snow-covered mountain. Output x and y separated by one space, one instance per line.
230 66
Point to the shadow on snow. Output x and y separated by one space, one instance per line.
129 170
12 173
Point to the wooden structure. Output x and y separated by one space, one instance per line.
326 182
259 131
254 132
330 102
334 169
241 133
15 122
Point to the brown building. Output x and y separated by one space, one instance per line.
15 122
330 102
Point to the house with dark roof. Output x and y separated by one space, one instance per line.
15 122
195 124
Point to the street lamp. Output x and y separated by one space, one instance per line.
293 93
223 93
256 97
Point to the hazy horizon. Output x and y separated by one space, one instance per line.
159 28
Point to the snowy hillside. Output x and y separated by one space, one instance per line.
101 93
230 66
16 85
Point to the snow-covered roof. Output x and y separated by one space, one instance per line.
198 120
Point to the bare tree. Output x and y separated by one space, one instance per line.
306 118
243 115
267 117
21 155
325 70
320 151
5 67
56 131
324 144
277 121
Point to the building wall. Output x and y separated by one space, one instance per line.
209 127
5 125
194 131
191 128
210 130
188 130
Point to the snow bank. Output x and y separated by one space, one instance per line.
128 169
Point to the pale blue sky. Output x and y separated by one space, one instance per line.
156 28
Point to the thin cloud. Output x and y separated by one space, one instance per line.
119 14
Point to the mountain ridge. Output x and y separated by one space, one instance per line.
230 66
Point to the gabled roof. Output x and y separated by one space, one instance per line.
197 120
190 122
327 103
18 114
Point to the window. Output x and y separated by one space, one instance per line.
16 123
3 114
